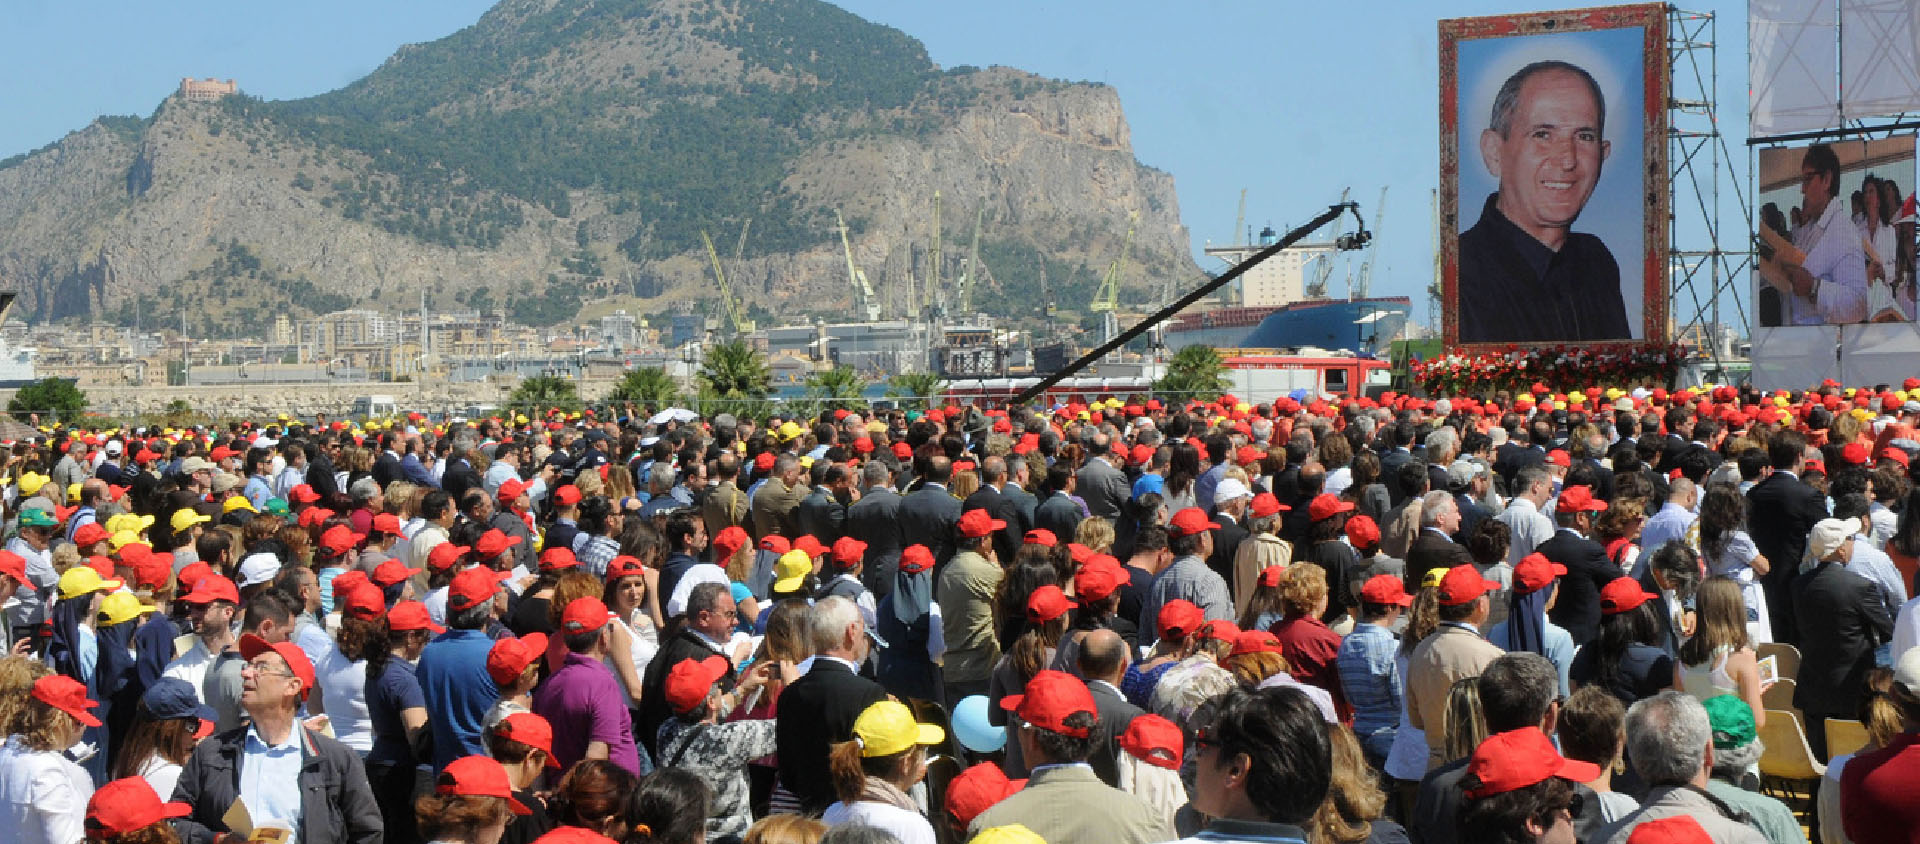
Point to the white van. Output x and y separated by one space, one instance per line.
374 407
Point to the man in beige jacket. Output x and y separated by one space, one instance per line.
1453 652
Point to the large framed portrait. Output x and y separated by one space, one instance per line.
1553 177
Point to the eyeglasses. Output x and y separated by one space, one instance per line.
267 669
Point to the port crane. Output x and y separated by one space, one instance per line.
1360 288
736 319
1107 300
863 298
971 271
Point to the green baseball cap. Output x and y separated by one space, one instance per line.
278 507
36 517
1732 721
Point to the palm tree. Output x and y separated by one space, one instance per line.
1194 372
648 385
735 370
544 391
916 390
839 388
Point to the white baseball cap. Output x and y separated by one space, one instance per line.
1829 534
1229 489
258 568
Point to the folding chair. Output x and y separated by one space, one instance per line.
1787 763
1787 656
1845 737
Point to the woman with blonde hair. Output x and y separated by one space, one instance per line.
1253 668
873 772
43 794
1719 659
786 828
1312 650
1354 805
1095 533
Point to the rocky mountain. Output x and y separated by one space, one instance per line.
568 153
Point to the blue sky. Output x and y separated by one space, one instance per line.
1289 99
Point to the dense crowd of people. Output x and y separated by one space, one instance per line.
1517 618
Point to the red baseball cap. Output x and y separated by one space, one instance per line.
364 602
386 523
584 615
1622 594
977 523
567 496
1520 758
1560 458
811 545
127 805
775 544
689 681
1265 504
1363 531
531 730
346 581
1154 740
1462 584
493 543
557 558
473 587
67 695
848 552
1385 589
915 559
412 615
1050 698
1273 576
763 462
1220 630
1895 454
1256 642
390 572
625 565
1855 453
729 541
1673 829
978 788
1535 572
1040 536
1326 505
211 587
1097 580
509 657
1190 521
297 662
1579 499
339 539
14 566
511 489
573 835
89 534
1048 603
303 494
478 776
446 555
314 516
1178 617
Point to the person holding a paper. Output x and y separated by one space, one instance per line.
1720 659
274 772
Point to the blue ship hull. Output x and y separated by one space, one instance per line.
1322 323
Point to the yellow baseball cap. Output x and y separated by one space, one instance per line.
791 570
123 538
789 430
183 519
128 522
888 728
73 493
121 607
238 502
1009 834
31 482
82 579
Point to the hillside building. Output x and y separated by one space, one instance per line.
206 90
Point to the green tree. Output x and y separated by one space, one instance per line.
1194 372
55 399
916 390
735 370
839 388
647 385
543 391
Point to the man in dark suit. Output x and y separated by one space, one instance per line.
1058 512
875 520
1399 439
1434 547
1230 500
1019 478
928 514
1101 485
820 513
1837 652
819 709
386 467
459 475
1518 452
710 612
993 473
1577 609
1679 427
1102 662
1785 509
1469 480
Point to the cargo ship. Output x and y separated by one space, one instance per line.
1366 326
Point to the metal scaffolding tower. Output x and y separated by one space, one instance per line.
1703 278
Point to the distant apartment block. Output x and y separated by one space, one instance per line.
206 90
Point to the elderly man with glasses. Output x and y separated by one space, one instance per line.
284 774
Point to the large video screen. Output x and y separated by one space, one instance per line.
1553 177
1835 239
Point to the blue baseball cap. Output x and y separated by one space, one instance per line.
171 698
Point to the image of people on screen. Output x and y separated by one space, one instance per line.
1525 274
1841 261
